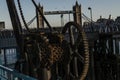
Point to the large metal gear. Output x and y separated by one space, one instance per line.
78 62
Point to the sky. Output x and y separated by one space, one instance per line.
99 8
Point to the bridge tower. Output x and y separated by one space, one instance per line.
40 21
77 13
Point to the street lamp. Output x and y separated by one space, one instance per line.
91 54
89 8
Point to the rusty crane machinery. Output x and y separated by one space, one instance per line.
49 55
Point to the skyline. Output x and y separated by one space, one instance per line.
99 8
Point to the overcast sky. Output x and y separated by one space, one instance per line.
99 8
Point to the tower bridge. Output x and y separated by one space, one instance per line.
104 44
76 14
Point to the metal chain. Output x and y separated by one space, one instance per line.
22 16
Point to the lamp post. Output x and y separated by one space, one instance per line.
92 71
89 8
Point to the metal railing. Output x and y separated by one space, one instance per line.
10 74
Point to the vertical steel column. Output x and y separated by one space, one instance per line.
15 22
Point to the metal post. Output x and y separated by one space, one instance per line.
5 59
61 19
69 16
